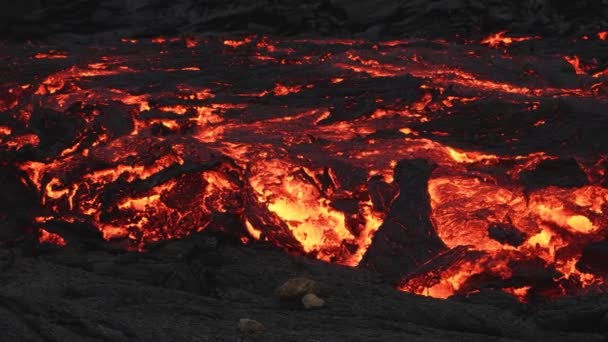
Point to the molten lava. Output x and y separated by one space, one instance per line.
499 39
295 143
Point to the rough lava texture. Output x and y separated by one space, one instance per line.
198 288
33 19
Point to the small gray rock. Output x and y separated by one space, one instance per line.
311 301
297 288
249 326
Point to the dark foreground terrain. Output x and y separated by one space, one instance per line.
198 288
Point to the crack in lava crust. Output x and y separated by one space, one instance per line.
294 142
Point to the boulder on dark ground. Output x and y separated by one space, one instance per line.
312 301
249 326
297 288
196 289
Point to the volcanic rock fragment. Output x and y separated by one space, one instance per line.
407 238
296 288
250 326
56 130
82 233
17 205
563 172
428 274
381 193
311 301
594 258
506 234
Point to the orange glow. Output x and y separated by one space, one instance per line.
181 110
204 94
18 142
51 55
136 100
499 39
603 35
5 130
546 209
51 238
451 279
191 43
581 224
519 292
469 157
255 233
313 222
444 76
576 64
57 82
236 43
282 90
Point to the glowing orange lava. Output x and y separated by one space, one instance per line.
52 238
499 39
576 64
296 143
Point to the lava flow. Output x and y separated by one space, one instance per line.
319 147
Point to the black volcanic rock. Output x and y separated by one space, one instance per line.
381 193
407 237
563 172
594 258
18 206
506 234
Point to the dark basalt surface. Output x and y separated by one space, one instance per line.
33 19
407 237
198 288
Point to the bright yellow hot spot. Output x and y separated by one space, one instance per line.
581 224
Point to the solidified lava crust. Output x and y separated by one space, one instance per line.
449 167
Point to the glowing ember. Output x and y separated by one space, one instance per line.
576 64
298 144
282 90
51 55
52 238
499 39
237 43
